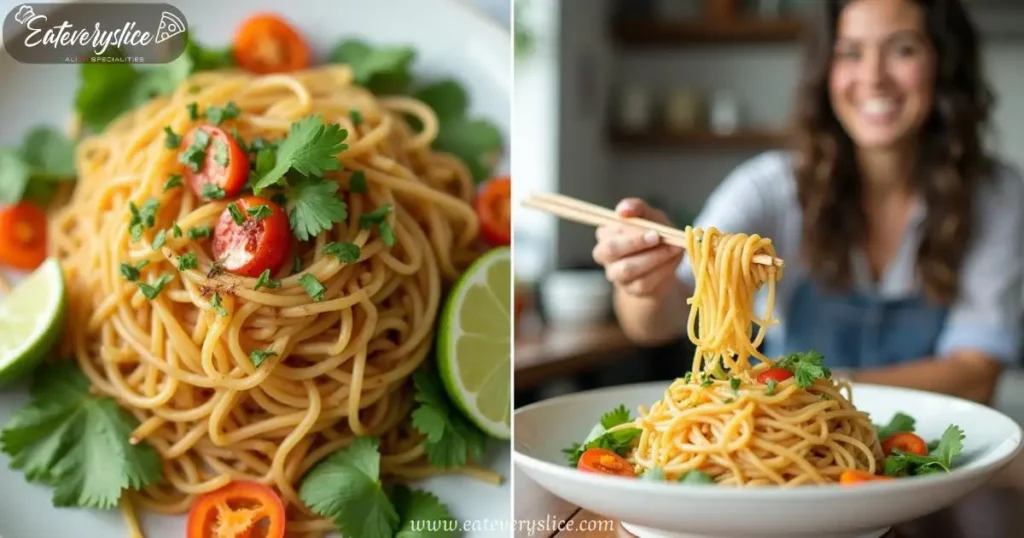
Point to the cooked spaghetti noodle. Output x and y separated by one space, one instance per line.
342 364
740 431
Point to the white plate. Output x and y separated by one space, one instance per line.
544 428
452 39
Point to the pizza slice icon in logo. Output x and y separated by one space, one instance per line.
170 26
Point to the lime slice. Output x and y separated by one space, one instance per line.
475 343
31 319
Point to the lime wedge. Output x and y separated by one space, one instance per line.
31 319
475 343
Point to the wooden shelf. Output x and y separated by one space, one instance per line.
760 139
674 33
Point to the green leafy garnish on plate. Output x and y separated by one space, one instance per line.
900 422
696 477
940 459
806 367
44 160
618 441
76 442
452 440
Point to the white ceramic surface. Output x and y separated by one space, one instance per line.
663 510
452 38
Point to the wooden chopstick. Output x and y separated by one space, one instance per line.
594 215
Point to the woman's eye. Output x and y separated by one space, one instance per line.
904 51
847 54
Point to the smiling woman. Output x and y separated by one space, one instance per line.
256 261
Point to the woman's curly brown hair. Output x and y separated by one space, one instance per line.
950 164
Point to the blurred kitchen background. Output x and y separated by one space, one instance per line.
661 99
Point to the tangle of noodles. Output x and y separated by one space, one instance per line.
342 365
744 434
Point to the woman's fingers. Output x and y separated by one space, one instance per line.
653 282
621 245
637 208
629 270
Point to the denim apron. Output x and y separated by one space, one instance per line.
858 329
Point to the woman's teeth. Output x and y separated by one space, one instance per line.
878 109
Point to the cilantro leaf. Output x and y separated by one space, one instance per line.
188 261
49 154
311 148
345 252
142 217
615 417
313 287
160 239
217 114
212 191
806 367
195 154
447 98
314 207
696 477
14 176
259 212
152 290
618 441
383 70
421 514
654 474
452 440
734 384
173 181
199 232
217 306
357 182
131 272
76 442
264 281
900 422
173 140
356 117
346 488
477 142
951 444
236 214
770 390
220 153
258 356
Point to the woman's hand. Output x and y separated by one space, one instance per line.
636 261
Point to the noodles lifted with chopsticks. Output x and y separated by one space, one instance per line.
332 368
722 419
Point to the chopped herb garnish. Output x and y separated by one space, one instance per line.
357 183
279 199
312 286
387 234
176 231
236 214
264 281
376 216
216 305
313 206
220 153
259 212
173 140
311 148
193 111
296 264
195 154
901 422
696 477
707 381
154 289
142 218
160 239
345 252
217 114
258 356
188 261
212 191
215 270
806 367
734 383
688 377
771 387
131 272
193 89
355 116
173 181
199 232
